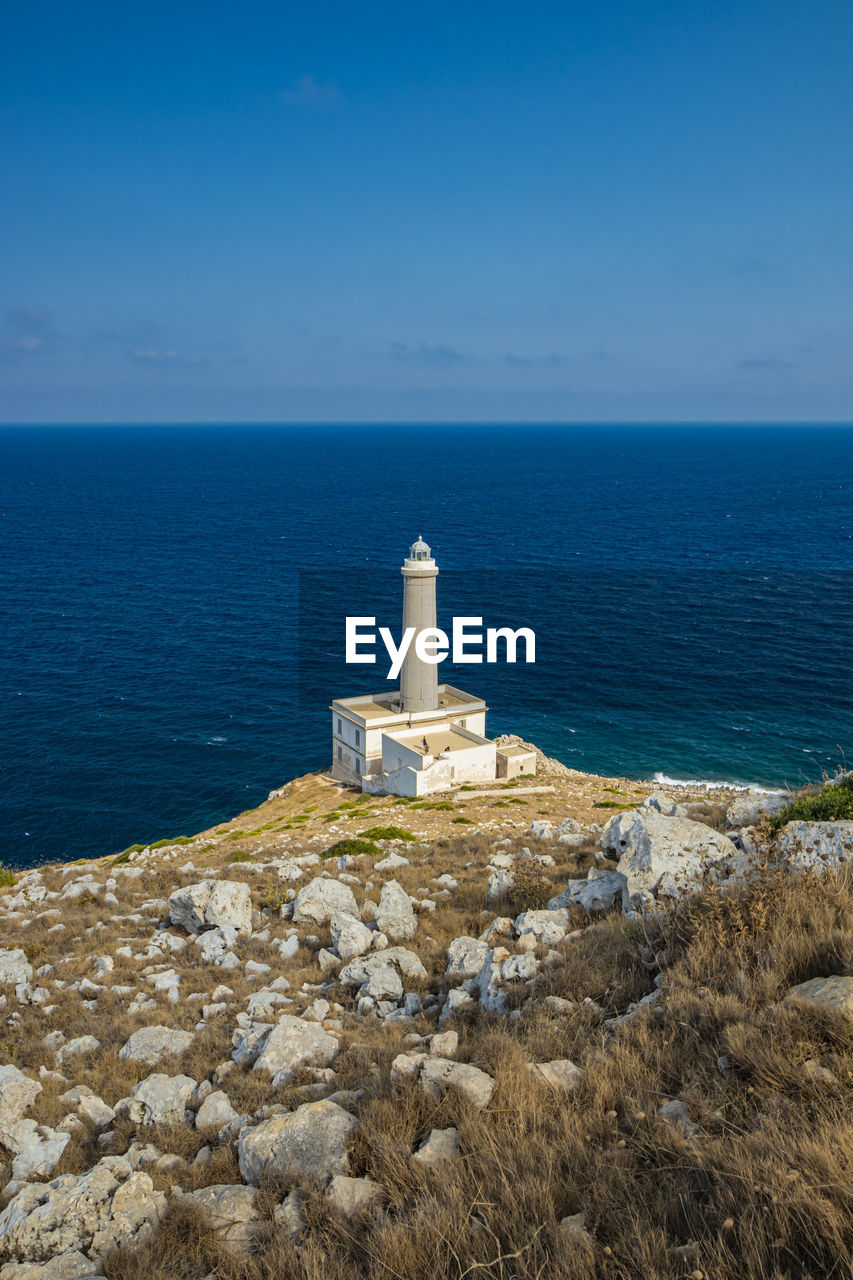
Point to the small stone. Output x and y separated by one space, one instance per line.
438 1146
351 1196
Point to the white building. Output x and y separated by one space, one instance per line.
425 736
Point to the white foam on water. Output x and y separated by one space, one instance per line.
665 781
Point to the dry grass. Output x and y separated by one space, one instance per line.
764 1189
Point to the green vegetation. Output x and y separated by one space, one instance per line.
7 876
444 805
387 833
467 821
163 844
611 804
352 847
240 855
831 803
272 897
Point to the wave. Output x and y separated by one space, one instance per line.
713 784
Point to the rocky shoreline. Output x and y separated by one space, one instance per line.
207 1027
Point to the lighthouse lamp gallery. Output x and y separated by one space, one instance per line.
465 644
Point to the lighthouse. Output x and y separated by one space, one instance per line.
424 737
419 679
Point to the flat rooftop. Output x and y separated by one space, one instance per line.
377 706
438 740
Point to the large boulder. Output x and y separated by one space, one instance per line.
666 857
465 957
15 968
396 917
834 994
350 937
595 894
818 846
436 1075
359 971
37 1148
310 1142
322 899
749 808
150 1045
215 1112
231 1211
160 1099
65 1266
293 1044
17 1092
211 903
545 928
92 1212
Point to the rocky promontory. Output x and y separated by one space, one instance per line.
564 1026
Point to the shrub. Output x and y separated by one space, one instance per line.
272 897
530 889
832 803
386 833
353 847
466 821
7 876
240 855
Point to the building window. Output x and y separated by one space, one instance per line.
340 727
452 772
358 767
461 724
358 737
340 754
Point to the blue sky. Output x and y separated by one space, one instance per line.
337 211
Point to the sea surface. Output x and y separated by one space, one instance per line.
173 604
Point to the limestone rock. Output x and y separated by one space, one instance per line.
438 1146
232 1213
597 893
211 903
349 936
662 804
37 1148
664 857
543 927
817 845
465 957
395 917
17 1093
436 1075
834 994
14 967
104 1207
66 1266
215 1112
151 1045
748 809
559 1074
322 899
353 1195
292 1044
358 971
310 1142
160 1099
73 1048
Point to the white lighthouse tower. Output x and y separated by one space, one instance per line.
419 679
424 737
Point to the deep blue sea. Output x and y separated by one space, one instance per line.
173 603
